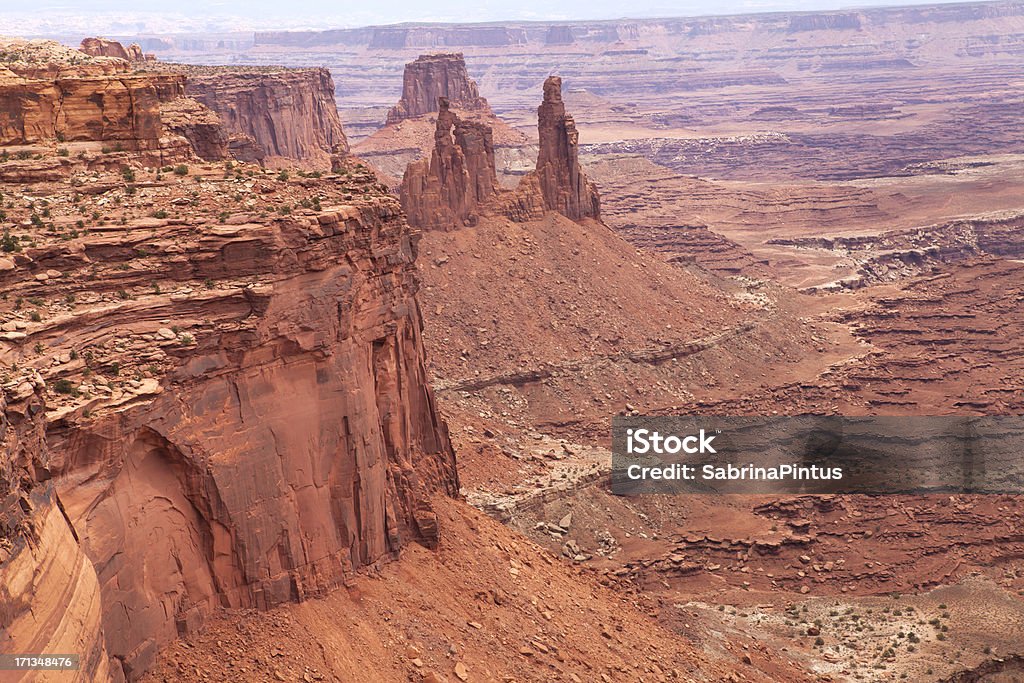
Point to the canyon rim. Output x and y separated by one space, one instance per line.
312 339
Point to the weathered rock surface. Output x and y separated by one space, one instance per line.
49 596
434 76
287 113
460 182
47 94
449 189
237 409
201 127
563 184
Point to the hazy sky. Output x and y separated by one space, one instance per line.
221 15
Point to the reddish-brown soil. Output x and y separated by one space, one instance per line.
488 603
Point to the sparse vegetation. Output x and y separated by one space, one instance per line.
9 243
65 386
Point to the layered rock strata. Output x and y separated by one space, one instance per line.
52 93
431 77
236 407
49 595
273 114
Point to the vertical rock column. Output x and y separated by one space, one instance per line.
562 182
447 191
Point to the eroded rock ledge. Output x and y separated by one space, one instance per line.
107 94
235 405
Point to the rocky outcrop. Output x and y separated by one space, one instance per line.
200 127
50 93
125 110
47 94
459 182
448 190
431 77
101 47
562 183
274 114
238 411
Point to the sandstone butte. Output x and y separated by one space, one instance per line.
431 77
208 406
458 183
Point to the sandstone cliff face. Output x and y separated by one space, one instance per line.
201 128
448 190
431 77
282 434
125 110
47 95
563 184
49 596
287 113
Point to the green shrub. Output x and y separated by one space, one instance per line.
9 242
64 386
